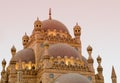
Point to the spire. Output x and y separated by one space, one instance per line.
113 73
37 18
77 24
50 14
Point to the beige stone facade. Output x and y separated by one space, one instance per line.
50 52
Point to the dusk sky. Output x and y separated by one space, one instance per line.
99 21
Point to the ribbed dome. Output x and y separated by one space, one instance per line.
62 50
72 78
54 24
25 55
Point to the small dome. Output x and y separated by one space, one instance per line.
99 59
25 55
77 26
54 24
37 21
72 78
13 48
25 36
4 62
89 48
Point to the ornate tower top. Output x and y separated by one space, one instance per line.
99 69
13 48
4 62
25 40
25 36
89 50
37 25
3 65
77 30
13 51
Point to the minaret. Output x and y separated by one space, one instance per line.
4 73
77 32
13 51
90 59
100 70
113 76
37 25
25 40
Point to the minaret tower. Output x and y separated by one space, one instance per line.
4 73
77 32
90 59
37 25
13 51
99 76
113 76
25 40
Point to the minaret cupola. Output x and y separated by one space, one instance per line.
25 40
37 25
77 30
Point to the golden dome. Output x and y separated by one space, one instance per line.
54 24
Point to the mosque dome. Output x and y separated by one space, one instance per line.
25 55
72 78
52 24
63 50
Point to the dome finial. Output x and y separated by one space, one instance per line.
77 23
37 18
50 14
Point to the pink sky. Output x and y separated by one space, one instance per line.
99 20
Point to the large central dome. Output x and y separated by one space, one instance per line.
54 24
